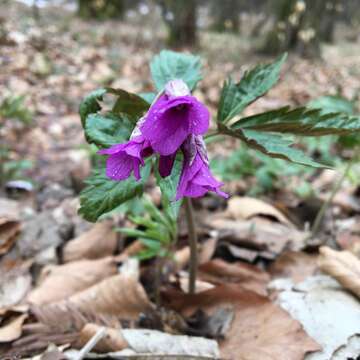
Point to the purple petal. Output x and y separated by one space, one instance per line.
119 166
166 164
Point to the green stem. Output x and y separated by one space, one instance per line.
193 244
320 215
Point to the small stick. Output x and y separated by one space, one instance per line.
91 343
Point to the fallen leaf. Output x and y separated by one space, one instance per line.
266 237
295 265
343 266
8 233
119 295
15 282
329 315
13 329
247 207
60 282
144 341
112 340
99 241
247 276
260 329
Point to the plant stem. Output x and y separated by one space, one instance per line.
336 188
192 242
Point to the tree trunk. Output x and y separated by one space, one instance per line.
300 26
180 18
226 15
100 10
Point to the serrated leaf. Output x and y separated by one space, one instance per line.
168 187
254 84
103 195
90 104
170 65
105 130
332 104
301 121
134 106
274 145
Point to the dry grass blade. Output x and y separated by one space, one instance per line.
99 241
343 266
60 282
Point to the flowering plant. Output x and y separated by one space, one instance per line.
168 128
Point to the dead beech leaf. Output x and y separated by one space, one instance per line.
247 207
13 329
99 241
8 232
259 330
266 237
60 282
343 266
119 295
295 265
112 341
15 282
247 276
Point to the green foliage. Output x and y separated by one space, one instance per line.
13 108
158 230
90 104
332 104
169 65
301 121
108 129
254 84
103 195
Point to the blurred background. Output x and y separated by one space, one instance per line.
53 52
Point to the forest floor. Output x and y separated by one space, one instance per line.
266 288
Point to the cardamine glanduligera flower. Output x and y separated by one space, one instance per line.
175 122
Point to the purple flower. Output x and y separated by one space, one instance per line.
173 117
126 158
196 179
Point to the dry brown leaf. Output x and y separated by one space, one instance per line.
343 266
112 341
247 207
60 282
8 232
99 241
295 265
266 237
134 248
259 330
119 295
248 276
15 282
13 329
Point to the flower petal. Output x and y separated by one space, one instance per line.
119 166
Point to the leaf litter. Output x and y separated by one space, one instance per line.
56 289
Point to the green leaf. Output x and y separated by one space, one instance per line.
90 104
149 97
131 232
103 195
332 104
108 129
274 145
168 187
254 84
127 103
301 121
170 65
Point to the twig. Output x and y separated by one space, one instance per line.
193 244
91 343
